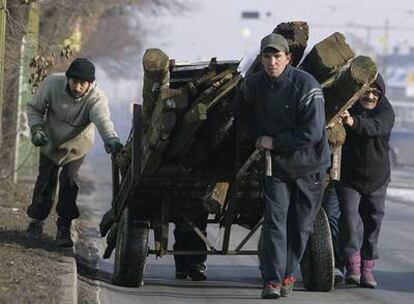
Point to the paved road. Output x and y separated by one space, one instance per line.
236 279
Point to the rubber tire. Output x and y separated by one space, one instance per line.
131 252
317 264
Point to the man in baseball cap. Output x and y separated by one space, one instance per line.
274 41
284 109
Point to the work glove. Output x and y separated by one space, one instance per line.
39 136
113 145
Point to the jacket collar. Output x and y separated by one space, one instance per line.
276 80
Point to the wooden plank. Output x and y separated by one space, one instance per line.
215 197
136 142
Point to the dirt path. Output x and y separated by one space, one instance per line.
31 268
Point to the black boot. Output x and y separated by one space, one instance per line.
35 229
181 275
198 272
63 237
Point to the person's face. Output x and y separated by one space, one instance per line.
274 62
369 99
78 87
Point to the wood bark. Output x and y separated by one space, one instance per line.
327 57
156 76
348 86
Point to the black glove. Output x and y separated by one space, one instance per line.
113 145
39 136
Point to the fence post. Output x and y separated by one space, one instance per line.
26 157
3 17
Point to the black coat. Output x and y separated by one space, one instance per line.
365 157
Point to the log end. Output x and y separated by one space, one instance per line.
297 35
155 60
364 69
337 52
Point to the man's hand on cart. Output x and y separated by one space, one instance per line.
264 142
113 145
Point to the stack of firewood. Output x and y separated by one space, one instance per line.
185 108
188 112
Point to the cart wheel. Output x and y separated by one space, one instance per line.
317 264
131 251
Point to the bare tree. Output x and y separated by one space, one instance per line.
105 24
16 20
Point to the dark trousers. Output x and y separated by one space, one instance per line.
330 204
360 220
290 210
45 190
187 239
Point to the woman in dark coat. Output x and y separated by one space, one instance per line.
364 181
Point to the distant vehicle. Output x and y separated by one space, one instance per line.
402 136
402 148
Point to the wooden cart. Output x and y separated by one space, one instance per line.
145 199
142 203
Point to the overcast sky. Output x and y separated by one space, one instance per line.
215 27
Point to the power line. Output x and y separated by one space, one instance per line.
363 26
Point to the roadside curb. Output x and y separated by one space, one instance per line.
69 287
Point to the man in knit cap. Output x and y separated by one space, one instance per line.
61 117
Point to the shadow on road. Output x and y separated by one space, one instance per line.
396 281
45 242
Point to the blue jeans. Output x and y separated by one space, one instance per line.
291 206
330 204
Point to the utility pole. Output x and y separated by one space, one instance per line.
3 18
385 49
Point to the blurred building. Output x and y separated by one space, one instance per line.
398 69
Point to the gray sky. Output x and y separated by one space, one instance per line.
215 27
